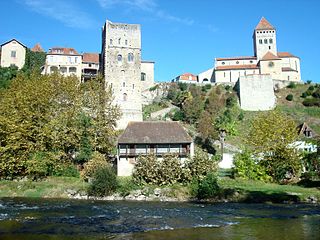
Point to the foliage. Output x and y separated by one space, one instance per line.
311 88
96 162
171 170
309 81
178 115
85 148
289 97
41 164
66 169
292 85
146 169
304 95
201 164
182 86
231 102
193 108
208 187
153 88
126 185
34 62
40 113
271 134
316 93
246 167
6 75
104 182
309 102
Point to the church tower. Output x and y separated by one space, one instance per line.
121 67
264 39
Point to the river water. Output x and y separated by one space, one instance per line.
75 219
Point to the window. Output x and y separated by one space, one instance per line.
69 59
175 148
132 86
251 61
266 41
224 74
76 59
141 149
143 76
126 42
123 84
270 41
111 42
237 62
269 47
119 41
90 65
71 52
260 41
223 63
163 148
53 69
63 70
119 58
130 57
125 97
72 70
13 54
205 80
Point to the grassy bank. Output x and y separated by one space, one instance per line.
231 190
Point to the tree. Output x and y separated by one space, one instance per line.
6 75
271 137
40 113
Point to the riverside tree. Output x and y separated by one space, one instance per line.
44 114
272 136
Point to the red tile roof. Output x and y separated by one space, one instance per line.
270 56
237 67
288 69
186 76
90 57
154 132
37 48
63 51
264 25
236 58
285 54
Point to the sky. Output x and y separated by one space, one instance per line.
179 35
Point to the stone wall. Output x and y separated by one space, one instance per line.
256 93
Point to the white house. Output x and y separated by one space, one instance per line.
13 53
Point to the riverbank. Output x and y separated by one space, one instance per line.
232 190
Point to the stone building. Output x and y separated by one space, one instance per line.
66 61
159 138
281 66
13 53
121 67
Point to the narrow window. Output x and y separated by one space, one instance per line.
125 97
130 57
132 86
143 76
270 41
224 74
111 42
13 54
119 58
126 42
266 41
260 41
269 47
123 84
119 41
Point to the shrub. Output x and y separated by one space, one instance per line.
311 88
66 170
228 88
97 161
146 169
316 94
231 102
292 85
246 167
308 92
206 188
153 88
309 81
289 97
183 86
178 115
309 102
304 95
170 170
104 182
126 185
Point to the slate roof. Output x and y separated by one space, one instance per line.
264 25
159 132
237 67
270 56
90 57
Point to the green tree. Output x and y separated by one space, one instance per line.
271 137
6 75
34 61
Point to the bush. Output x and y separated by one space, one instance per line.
97 161
178 115
309 81
304 95
104 182
206 188
126 185
292 85
66 170
309 102
316 94
311 88
146 169
246 167
289 97
183 86
231 102
228 88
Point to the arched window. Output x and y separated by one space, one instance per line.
63 70
72 70
126 42
119 57
270 41
205 80
119 41
132 86
125 97
123 84
143 76
266 41
260 41
53 69
130 57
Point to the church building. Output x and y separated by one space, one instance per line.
282 67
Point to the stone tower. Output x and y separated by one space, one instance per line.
121 67
264 39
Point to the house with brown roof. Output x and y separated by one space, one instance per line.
159 138
90 65
283 67
13 53
66 61
186 78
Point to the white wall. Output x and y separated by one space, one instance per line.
208 74
20 54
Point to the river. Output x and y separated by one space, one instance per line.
26 219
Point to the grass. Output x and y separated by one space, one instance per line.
51 187
154 107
